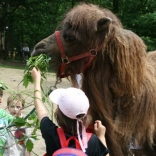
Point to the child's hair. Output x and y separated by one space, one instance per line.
68 124
1 92
17 97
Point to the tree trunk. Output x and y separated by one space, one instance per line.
115 5
2 45
4 8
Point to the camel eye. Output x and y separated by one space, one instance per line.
68 38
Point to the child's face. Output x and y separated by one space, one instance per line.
15 108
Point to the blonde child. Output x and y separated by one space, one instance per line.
5 119
15 146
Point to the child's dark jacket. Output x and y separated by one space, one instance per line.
49 133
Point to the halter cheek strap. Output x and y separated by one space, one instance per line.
66 60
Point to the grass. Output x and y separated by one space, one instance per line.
16 65
13 64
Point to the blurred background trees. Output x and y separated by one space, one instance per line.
29 21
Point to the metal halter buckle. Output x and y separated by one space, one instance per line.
65 60
93 52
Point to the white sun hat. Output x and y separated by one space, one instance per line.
72 102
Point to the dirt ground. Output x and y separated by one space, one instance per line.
12 78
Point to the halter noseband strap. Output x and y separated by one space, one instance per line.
66 60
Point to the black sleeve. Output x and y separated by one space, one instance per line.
49 133
96 147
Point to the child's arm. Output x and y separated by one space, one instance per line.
40 109
100 132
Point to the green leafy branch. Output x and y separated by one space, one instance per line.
40 62
32 121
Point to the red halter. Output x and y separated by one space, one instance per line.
66 60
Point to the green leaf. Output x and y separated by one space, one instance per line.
2 85
40 62
19 122
29 145
25 81
32 116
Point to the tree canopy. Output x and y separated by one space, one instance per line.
29 21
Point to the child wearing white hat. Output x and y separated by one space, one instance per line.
71 116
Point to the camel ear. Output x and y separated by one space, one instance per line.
103 23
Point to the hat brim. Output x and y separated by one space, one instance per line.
55 95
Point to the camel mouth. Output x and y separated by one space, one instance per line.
35 53
38 52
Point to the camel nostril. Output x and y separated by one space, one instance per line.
40 46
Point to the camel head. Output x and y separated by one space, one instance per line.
81 35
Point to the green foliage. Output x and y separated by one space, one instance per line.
19 121
40 62
140 17
30 120
2 85
29 145
32 20
151 42
27 78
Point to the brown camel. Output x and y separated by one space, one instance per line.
118 77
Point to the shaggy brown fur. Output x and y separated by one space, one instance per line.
120 83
